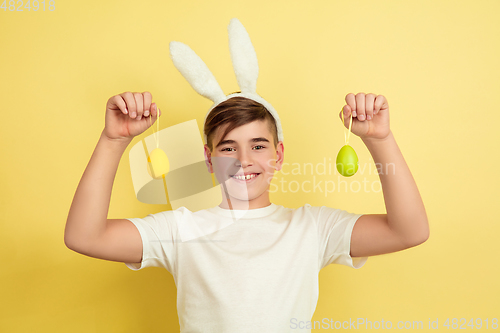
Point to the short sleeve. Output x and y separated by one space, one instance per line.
334 232
158 233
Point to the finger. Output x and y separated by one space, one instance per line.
154 110
347 115
350 99
130 101
346 110
360 106
380 104
120 103
139 103
369 105
147 102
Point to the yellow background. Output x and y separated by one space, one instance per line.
437 62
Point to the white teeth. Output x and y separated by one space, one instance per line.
245 177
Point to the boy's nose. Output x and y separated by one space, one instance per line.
244 159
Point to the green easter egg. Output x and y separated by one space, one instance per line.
347 161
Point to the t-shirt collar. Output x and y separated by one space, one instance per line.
245 213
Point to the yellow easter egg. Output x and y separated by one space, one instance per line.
159 162
347 161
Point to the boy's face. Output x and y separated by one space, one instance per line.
246 150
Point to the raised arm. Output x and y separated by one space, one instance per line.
88 231
405 224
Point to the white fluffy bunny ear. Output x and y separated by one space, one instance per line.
195 71
243 57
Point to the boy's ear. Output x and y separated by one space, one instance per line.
208 158
280 155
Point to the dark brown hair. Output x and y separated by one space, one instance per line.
237 111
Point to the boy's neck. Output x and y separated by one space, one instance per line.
244 205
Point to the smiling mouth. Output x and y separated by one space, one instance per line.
245 178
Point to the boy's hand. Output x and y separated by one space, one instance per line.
127 115
370 115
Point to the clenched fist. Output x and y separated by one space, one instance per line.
127 115
370 115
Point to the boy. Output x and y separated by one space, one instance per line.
259 273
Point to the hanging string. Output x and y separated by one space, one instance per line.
157 135
346 136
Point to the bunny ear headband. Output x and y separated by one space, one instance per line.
245 66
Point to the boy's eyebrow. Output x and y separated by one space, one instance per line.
234 142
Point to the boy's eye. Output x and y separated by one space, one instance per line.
226 149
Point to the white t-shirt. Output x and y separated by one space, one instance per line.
246 270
